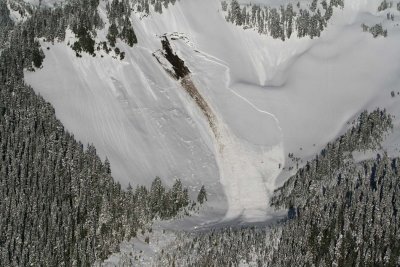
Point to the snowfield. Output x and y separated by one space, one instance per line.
270 98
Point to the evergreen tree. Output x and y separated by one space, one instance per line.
157 193
202 196
236 13
112 34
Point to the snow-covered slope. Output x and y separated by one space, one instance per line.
270 98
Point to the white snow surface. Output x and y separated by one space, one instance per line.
270 98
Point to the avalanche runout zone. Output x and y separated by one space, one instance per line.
247 175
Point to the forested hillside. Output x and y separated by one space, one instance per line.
59 205
280 23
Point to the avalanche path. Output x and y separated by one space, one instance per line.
248 165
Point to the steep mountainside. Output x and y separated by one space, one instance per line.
268 96
238 96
